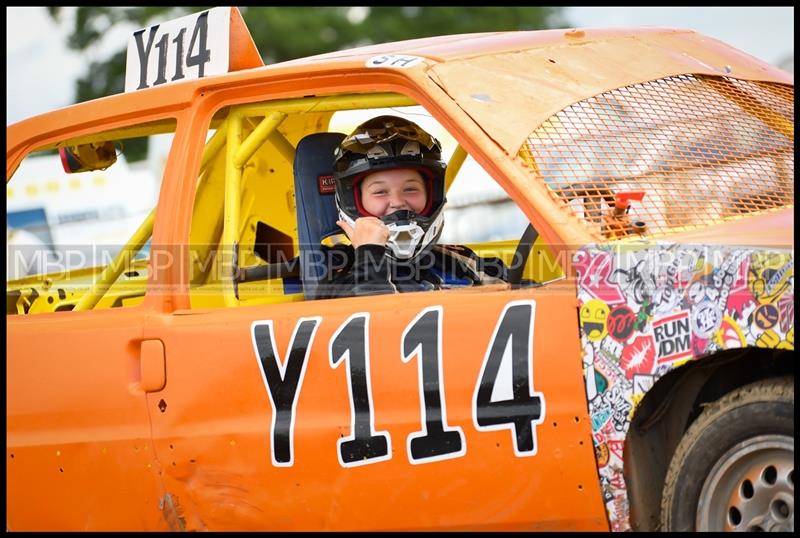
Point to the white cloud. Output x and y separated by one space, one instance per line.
40 71
40 68
764 32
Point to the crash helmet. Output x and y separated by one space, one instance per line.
384 143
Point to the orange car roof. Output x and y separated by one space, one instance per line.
542 72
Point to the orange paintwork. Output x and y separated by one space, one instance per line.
227 424
89 449
774 229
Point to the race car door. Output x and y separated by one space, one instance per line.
79 452
444 409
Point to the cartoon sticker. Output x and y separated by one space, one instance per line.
601 452
705 319
740 296
621 323
769 275
786 309
729 335
766 316
595 276
593 319
638 357
650 309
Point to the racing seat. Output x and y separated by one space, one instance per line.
316 204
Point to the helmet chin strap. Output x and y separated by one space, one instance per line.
405 235
403 239
407 238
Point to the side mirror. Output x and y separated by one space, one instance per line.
87 157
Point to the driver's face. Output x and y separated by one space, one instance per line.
387 191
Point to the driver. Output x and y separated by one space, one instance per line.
389 177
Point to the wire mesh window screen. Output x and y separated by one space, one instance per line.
701 149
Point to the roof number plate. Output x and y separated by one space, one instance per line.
190 47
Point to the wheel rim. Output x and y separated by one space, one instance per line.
750 488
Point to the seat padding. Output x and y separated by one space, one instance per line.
315 200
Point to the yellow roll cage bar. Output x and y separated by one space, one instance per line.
238 152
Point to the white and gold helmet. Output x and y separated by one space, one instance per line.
384 143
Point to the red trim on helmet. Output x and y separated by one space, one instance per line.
357 195
429 203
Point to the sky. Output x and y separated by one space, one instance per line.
41 70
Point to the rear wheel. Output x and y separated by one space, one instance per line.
734 467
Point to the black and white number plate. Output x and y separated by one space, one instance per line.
188 47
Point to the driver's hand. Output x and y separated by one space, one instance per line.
367 231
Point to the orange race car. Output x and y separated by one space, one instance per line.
632 369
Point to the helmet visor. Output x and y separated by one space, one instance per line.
364 141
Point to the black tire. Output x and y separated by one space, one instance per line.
734 467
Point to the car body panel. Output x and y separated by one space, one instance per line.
215 431
78 432
201 453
